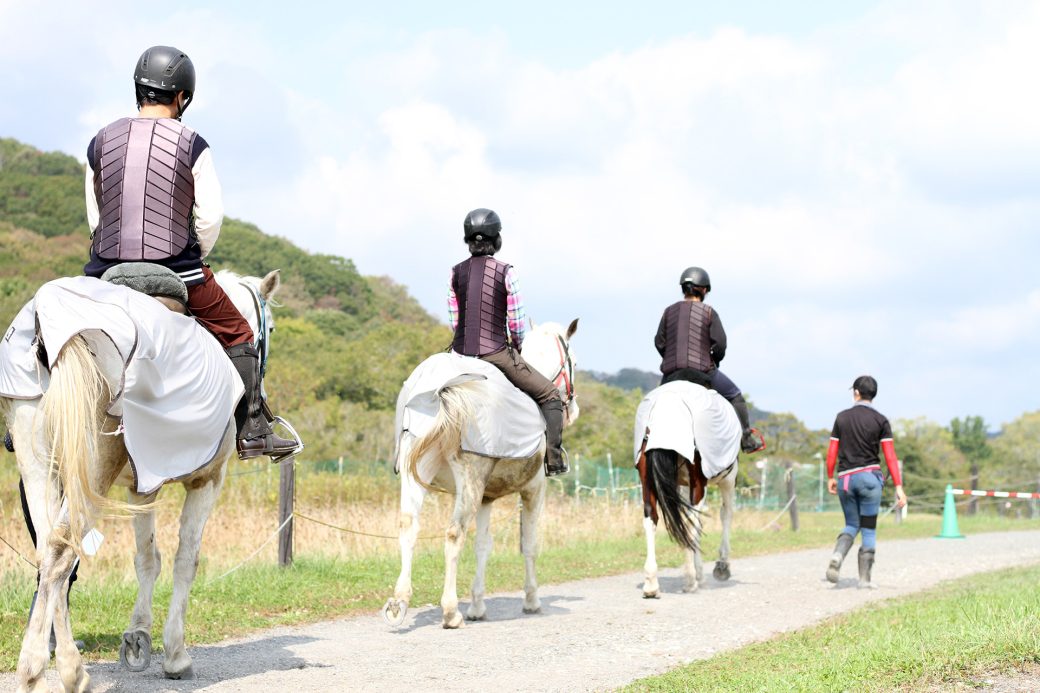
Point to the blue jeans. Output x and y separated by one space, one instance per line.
861 502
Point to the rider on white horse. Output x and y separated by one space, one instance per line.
153 196
692 342
487 315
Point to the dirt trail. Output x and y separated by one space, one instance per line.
593 634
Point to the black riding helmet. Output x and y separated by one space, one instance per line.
695 276
165 69
480 224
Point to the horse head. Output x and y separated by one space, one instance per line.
253 298
547 348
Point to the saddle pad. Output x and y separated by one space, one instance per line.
685 417
506 422
173 386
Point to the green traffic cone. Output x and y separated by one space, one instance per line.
949 526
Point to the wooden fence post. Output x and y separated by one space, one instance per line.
286 495
973 502
792 496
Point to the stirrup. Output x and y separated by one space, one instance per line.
565 458
279 421
761 441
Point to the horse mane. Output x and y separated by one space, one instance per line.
679 514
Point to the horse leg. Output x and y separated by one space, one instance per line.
198 503
51 611
135 652
692 570
651 589
483 542
532 498
470 476
412 496
726 491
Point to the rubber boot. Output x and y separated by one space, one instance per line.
866 564
255 436
748 442
841 548
555 455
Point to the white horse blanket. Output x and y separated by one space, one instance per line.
686 417
507 423
173 386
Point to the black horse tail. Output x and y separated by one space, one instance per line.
662 470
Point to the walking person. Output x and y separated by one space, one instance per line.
859 432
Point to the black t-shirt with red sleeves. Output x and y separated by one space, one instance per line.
860 430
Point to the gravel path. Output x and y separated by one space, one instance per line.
593 634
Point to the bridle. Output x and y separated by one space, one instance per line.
564 378
260 340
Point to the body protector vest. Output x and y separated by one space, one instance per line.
144 188
480 288
687 330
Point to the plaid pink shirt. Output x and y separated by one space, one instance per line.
515 316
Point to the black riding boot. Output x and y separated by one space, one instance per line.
866 564
748 443
841 548
255 436
555 460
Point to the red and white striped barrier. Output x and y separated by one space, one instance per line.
993 494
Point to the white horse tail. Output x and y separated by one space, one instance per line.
73 411
445 437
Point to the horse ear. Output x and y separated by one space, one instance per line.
270 284
572 328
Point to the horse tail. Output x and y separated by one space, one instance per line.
445 436
73 412
662 470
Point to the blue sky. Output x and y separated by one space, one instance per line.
859 178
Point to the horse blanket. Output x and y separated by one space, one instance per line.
506 422
685 417
173 387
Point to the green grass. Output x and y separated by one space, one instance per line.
958 632
260 596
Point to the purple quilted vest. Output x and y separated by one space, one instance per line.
480 287
687 325
144 188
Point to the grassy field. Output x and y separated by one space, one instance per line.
340 573
957 634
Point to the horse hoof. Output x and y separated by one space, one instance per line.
651 595
454 622
187 673
474 616
394 611
532 609
721 571
135 652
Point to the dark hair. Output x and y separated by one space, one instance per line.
866 386
694 290
151 95
484 246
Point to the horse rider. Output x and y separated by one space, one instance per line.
487 316
857 434
692 343
153 196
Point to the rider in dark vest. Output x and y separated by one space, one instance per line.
692 342
153 196
487 316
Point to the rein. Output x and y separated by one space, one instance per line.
260 341
564 377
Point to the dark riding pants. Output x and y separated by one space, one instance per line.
214 310
518 372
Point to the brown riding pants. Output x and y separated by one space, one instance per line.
516 370
214 310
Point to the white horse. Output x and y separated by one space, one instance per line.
70 423
675 485
437 462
